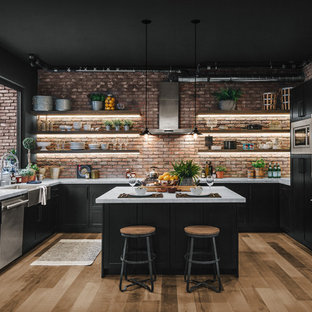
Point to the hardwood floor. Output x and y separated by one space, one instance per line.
275 275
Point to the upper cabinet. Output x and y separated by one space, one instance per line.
301 101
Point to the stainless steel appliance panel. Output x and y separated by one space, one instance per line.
11 229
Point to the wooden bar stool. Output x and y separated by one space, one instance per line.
137 231
202 231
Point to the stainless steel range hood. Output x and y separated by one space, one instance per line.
169 110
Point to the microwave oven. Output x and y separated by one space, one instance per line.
301 137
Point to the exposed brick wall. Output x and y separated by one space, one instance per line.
129 88
307 70
8 118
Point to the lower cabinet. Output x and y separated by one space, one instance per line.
40 221
285 208
261 211
78 211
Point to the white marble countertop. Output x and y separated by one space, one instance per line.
8 193
285 181
227 196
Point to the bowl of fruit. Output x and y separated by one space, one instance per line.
167 178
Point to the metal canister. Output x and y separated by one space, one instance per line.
95 174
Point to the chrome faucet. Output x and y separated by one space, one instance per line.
3 159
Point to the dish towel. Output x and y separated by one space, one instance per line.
43 195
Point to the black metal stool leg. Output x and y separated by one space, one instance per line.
153 262
149 257
123 264
190 258
217 264
214 267
186 258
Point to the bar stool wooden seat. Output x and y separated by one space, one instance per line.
202 231
135 232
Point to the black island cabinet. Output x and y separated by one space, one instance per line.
170 217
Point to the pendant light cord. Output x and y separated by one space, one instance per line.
195 22
146 74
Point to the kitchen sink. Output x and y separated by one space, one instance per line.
33 192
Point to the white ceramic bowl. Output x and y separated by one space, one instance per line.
94 146
77 125
140 191
62 127
196 190
43 145
68 128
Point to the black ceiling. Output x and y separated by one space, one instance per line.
91 32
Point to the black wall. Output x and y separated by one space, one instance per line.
14 71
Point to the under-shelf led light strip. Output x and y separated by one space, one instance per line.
94 135
244 154
286 116
60 155
90 116
247 134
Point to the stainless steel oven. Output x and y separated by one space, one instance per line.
301 137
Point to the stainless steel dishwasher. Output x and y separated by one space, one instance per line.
11 234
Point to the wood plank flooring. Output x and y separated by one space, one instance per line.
275 275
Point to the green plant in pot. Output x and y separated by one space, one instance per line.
128 124
117 123
258 166
108 125
227 98
220 171
29 144
187 171
97 100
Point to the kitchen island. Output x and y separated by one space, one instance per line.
170 215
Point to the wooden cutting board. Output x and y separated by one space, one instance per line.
181 188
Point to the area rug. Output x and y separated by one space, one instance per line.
71 252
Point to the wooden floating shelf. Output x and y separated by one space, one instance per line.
246 131
89 112
87 132
244 151
95 151
247 112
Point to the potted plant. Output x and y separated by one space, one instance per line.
187 171
108 125
117 123
220 171
35 170
97 100
128 124
29 144
228 98
258 166
26 175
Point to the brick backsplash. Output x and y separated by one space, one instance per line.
161 151
8 122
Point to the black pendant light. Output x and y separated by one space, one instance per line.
195 131
146 131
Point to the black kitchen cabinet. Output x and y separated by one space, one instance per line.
40 221
264 208
96 210
285 207
30 226
301 101
73 212
78 211
261 211
298 165
308 202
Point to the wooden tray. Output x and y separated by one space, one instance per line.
180 188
